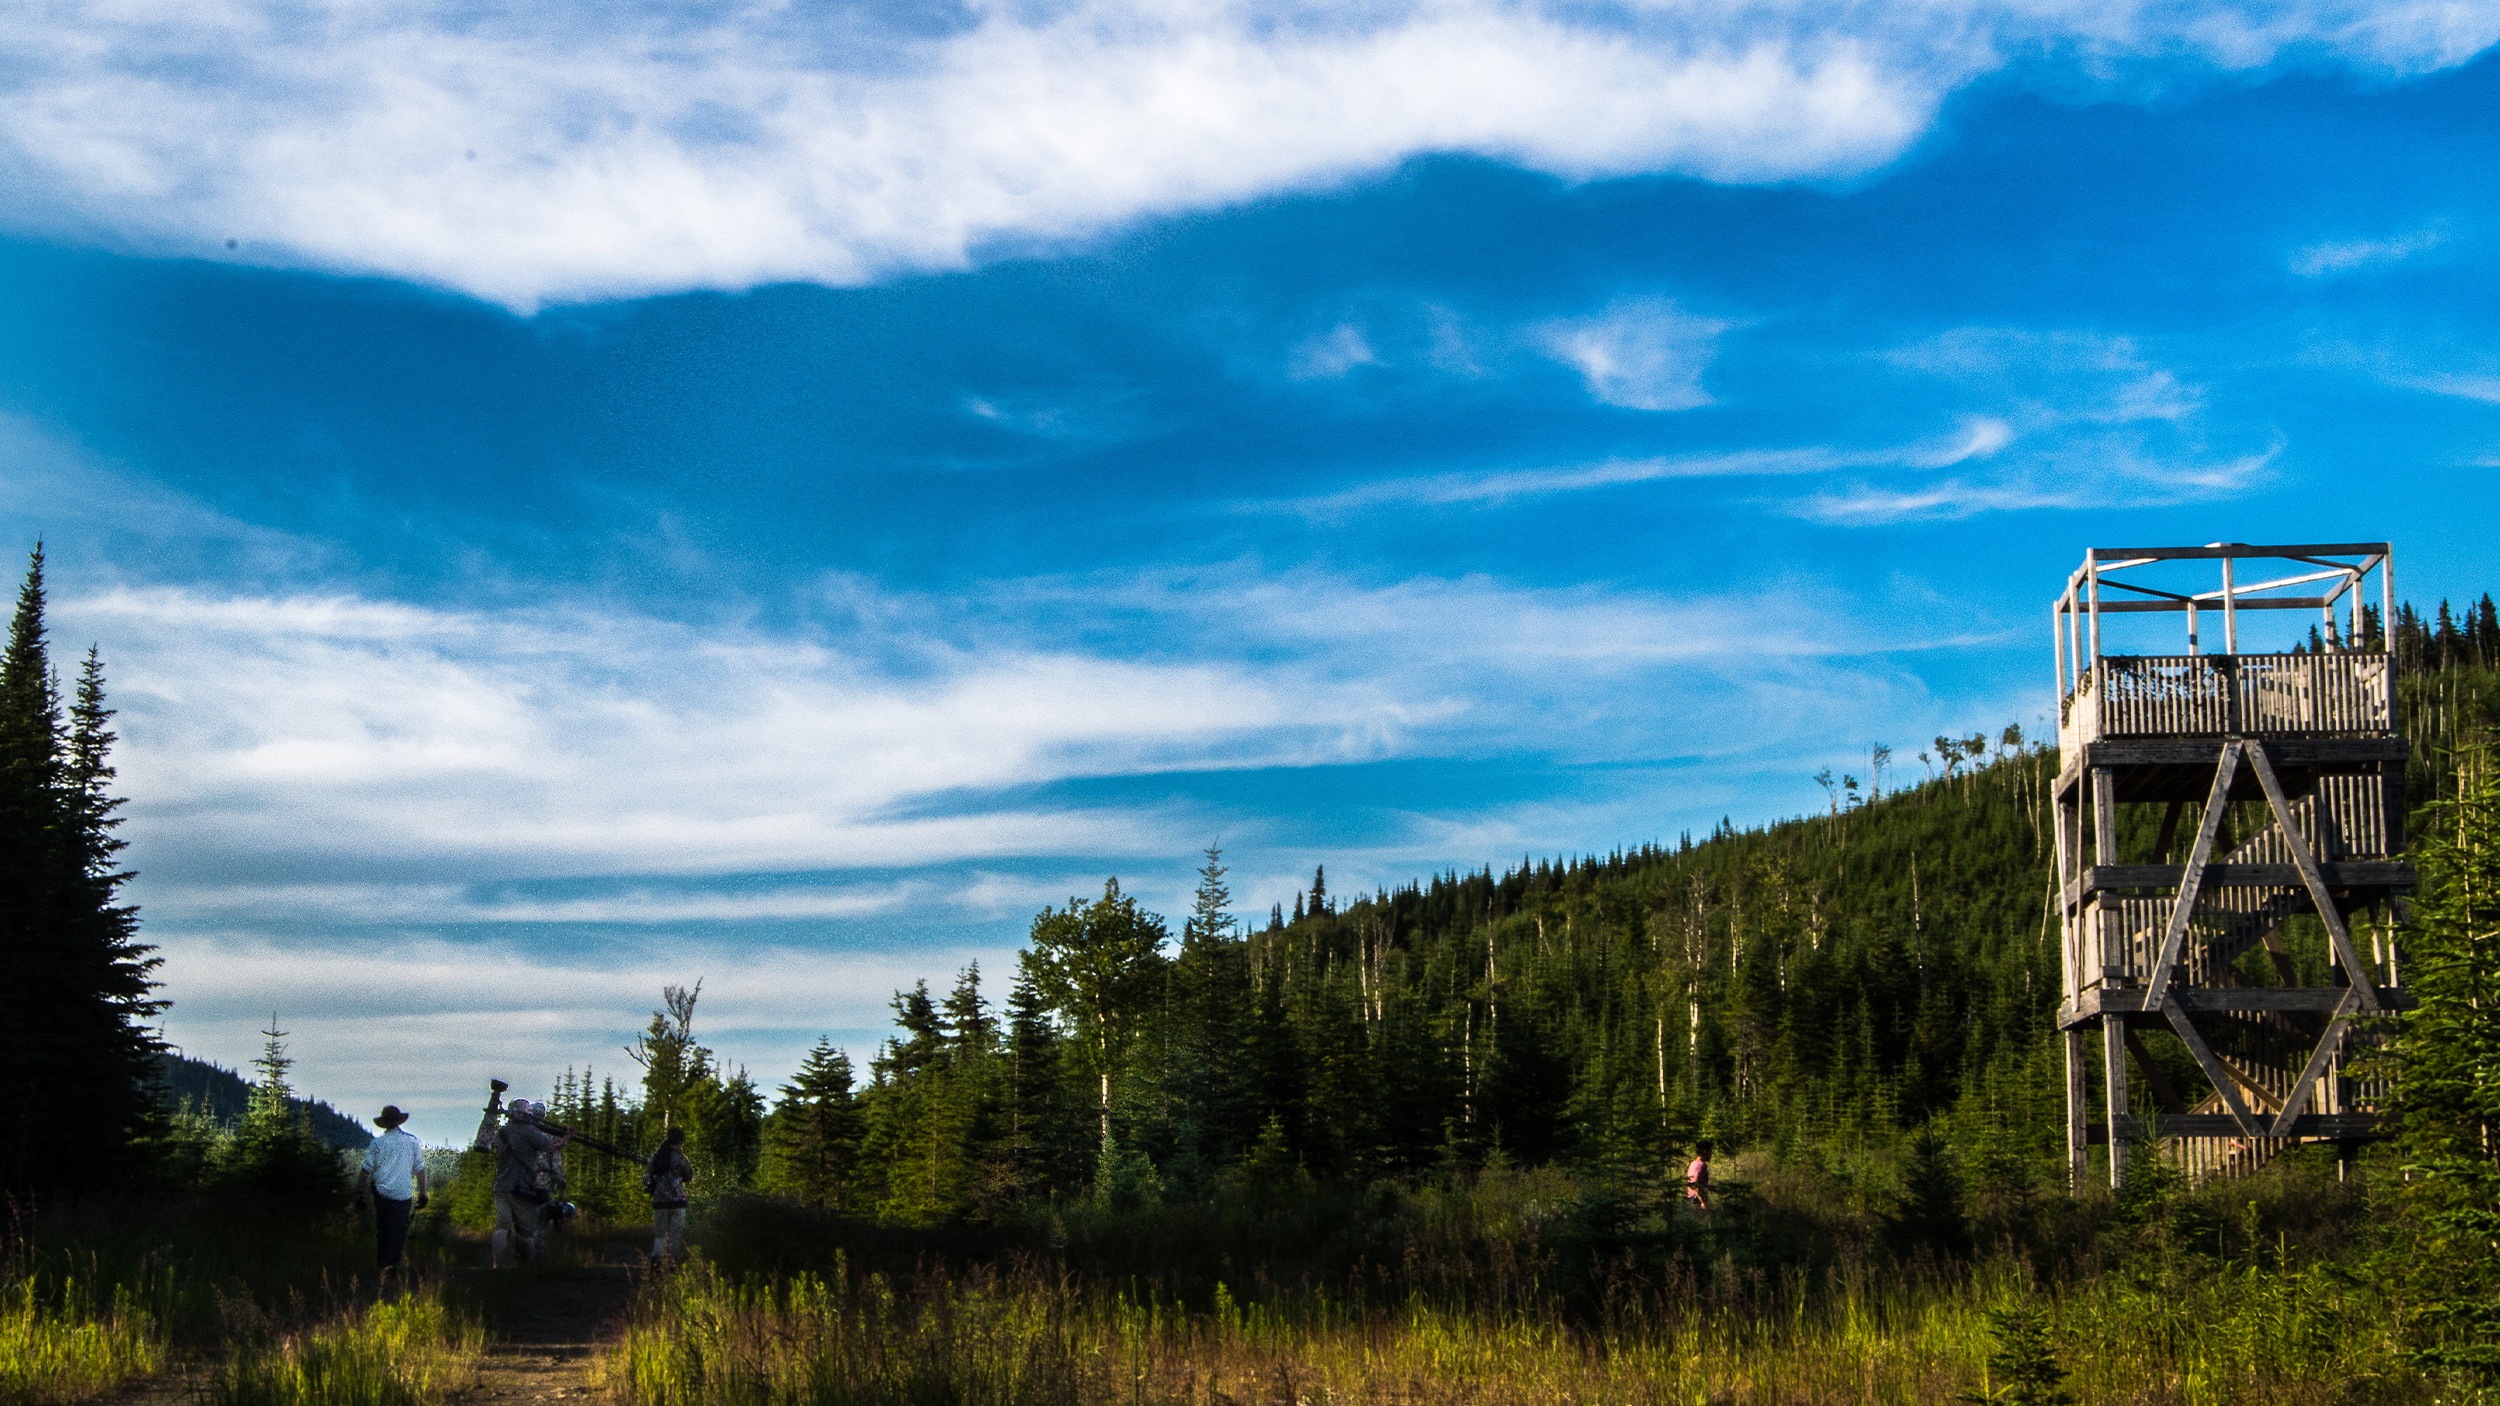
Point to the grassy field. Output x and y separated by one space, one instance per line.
268 1307
1033 1334
1507 1286
1524 1287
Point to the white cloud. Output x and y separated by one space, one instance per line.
2464 387
408 757
550 742
2334 257
2106 474
569 151
1643 355
425 1023
1977 437
1333 353
2073 420
2038 378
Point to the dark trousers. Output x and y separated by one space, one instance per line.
390 1228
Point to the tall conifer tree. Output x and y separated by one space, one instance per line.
77 1063
2447 1064
814 1138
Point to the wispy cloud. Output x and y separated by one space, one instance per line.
1643 355
632 904
2074 420
1332 353
430 752
2344 256
2111 476
566 151
1976 437
425 1023
2464 387
554 742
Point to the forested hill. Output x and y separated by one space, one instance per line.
223 1095
1831 978
1828 980
1818 985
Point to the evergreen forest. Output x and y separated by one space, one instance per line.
1427 1143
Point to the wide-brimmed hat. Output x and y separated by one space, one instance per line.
390 1116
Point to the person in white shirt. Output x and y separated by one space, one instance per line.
395 1169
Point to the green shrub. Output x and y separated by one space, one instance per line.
68 1350
409 1352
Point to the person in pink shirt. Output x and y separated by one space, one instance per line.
1697 1178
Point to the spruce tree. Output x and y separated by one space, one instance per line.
1044 1141
78 1066
1213 1107
813 1140
1210 913
2447 1065
274 1156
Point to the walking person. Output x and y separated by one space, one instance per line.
395 1173
665 1177
1697 1179
521 1153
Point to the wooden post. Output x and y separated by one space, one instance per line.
2114 1094
2387 614
2230 613
2077 1145
2092 570
2104 816
2057 642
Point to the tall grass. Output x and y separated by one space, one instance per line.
66 1346
405 1352
1029 1335
98 1293
1522 1287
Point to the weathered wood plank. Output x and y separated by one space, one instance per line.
2319 1058
2345 953
2193 877
2317 1125
2149 607
2291 751
2221 1078
2294 551
2342 874
2313 1000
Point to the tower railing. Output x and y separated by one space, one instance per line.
2243 695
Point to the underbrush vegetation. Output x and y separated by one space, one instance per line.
407 1351
64 1345
1510 1286
97 1293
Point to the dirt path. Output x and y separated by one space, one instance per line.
548 1324
546 1327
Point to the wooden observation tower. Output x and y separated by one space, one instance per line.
2276 781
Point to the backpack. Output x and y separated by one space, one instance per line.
539 1189
668 1185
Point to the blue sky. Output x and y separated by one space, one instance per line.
578 499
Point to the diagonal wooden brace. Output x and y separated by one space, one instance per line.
2193 880
2310 1073
2345 955
2223 1081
